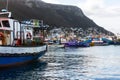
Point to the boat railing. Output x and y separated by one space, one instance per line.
5 13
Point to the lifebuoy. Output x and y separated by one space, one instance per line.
29 36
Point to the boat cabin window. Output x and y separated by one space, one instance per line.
6 23
28 28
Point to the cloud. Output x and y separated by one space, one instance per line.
99 8
109 23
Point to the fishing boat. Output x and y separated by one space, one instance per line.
19 43
98 42
75 43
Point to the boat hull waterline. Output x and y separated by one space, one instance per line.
21 55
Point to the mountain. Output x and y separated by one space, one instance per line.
52 14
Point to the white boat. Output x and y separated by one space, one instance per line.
17 41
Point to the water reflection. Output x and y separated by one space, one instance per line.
85 63
94 63
78 66
24 72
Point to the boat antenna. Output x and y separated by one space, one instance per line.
7 5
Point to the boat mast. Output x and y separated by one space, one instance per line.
7 5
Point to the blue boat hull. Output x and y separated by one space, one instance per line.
10 60
77 44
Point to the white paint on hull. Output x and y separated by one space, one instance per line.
19 50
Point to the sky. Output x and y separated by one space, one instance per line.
105 13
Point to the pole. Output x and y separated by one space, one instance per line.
42 26
7 5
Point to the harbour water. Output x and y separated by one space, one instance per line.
92 63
